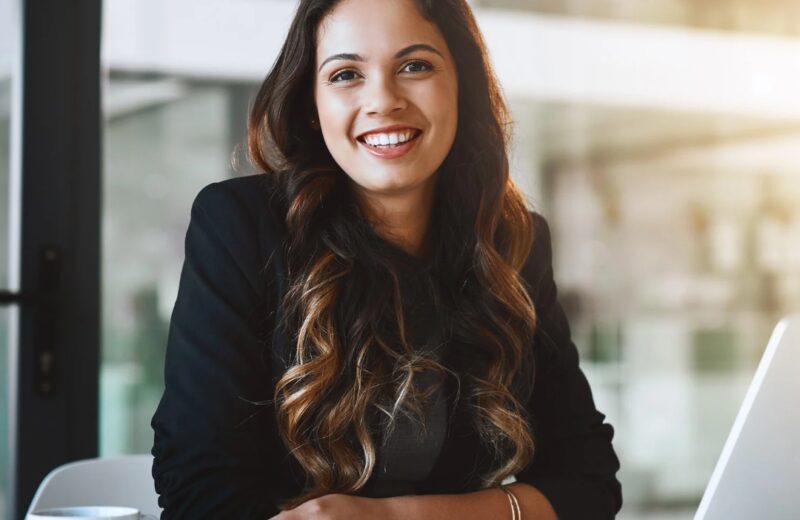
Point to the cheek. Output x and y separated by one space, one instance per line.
329 109
447 104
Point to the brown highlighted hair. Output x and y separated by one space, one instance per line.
352 360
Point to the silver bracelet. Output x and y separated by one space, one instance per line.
516 512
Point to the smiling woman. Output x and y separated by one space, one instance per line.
370 328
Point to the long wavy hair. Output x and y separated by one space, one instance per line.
352 361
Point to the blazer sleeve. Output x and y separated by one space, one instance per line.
574 462
213 449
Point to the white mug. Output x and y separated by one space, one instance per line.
90 513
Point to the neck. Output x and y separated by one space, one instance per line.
402 218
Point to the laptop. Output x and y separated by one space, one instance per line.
758 473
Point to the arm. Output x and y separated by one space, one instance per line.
479 505
214 453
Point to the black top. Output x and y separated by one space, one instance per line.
408 455
217 450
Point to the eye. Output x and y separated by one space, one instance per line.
426 66
340 74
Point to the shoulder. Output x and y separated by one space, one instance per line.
245 197
239 220
244 211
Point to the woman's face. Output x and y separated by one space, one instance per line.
381 64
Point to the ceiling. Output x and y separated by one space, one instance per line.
775 17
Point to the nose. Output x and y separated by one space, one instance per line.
383 96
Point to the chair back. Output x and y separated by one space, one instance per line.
109 481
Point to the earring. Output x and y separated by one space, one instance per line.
314 123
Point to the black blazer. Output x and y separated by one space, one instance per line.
216 448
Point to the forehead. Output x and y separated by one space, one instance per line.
374 28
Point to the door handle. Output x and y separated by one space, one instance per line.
45 304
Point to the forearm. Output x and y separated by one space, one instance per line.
479 505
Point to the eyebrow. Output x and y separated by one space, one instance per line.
399 54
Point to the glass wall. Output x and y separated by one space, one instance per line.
8 48
673 205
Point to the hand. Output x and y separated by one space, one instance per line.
338 507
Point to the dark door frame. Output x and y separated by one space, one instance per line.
59 297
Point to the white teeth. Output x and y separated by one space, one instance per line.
390 139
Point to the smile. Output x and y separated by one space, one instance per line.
390 151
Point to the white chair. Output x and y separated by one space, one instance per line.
109 481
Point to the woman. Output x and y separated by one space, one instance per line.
370 329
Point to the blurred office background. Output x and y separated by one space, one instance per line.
659 138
